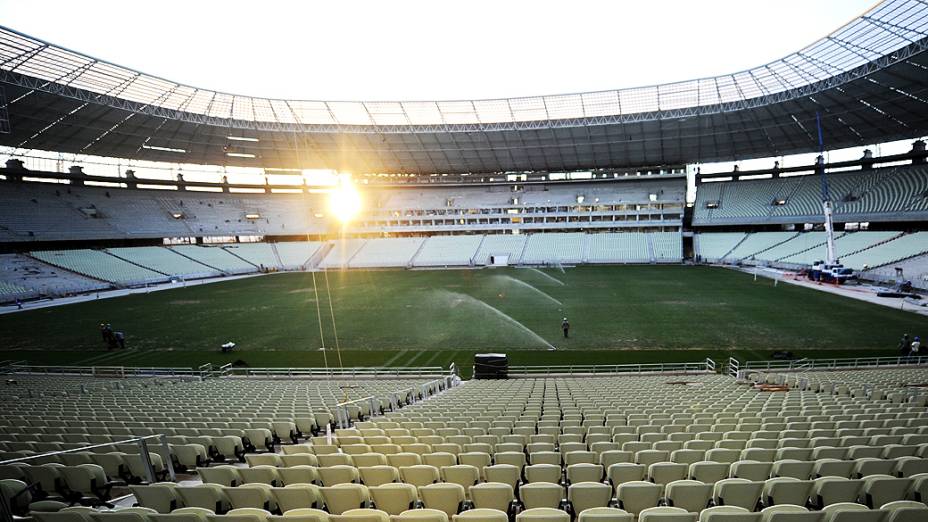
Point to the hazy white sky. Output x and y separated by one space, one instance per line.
430 49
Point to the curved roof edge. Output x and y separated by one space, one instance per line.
890 32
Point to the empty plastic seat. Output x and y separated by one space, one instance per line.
448 498
585 495
737 492
605 514
543 515
394 498
637 496
691 495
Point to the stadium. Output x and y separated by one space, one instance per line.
691 301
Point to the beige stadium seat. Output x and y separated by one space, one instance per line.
505 473
378 475
342 497
130 514
834 490
205 496
751 470
493 495
462 474
585 495
256 496
481 515
728 514
222 475
542 473
914 510
420 515
440 459
338 474
737 492
878 490
543 515
362 460
187 514
691 495
801 470
86 481
334 459
626 472
448 498
298 475
361 515
605 514
786 490
306 515
260 475
263 459
296 496
241 515
638 495
69 514
667 472
420 475
514 458
666 514
851 512
709 472
584 472
398 460
788 513
161 497
542 494
394 498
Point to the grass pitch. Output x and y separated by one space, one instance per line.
618 314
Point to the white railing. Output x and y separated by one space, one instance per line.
143 452
357 372
103 371
706 366
832 364
734 367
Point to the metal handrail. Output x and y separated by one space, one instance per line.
734 367
688 367
143 452
372 371
122 371
829 364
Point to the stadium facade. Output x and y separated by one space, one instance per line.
471 170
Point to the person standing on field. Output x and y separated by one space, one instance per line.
565 325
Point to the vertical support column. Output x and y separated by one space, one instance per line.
169 462
146 461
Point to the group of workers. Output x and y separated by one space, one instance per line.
910 348
112 339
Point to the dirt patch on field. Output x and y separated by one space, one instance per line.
301 291
184 302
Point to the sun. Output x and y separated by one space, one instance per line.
345 200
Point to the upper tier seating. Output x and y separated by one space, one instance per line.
99 265
215 257
891 193
164 260
448 251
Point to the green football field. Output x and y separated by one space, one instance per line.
618 314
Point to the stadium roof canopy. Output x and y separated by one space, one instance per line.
868 80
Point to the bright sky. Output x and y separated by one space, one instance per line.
430 49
